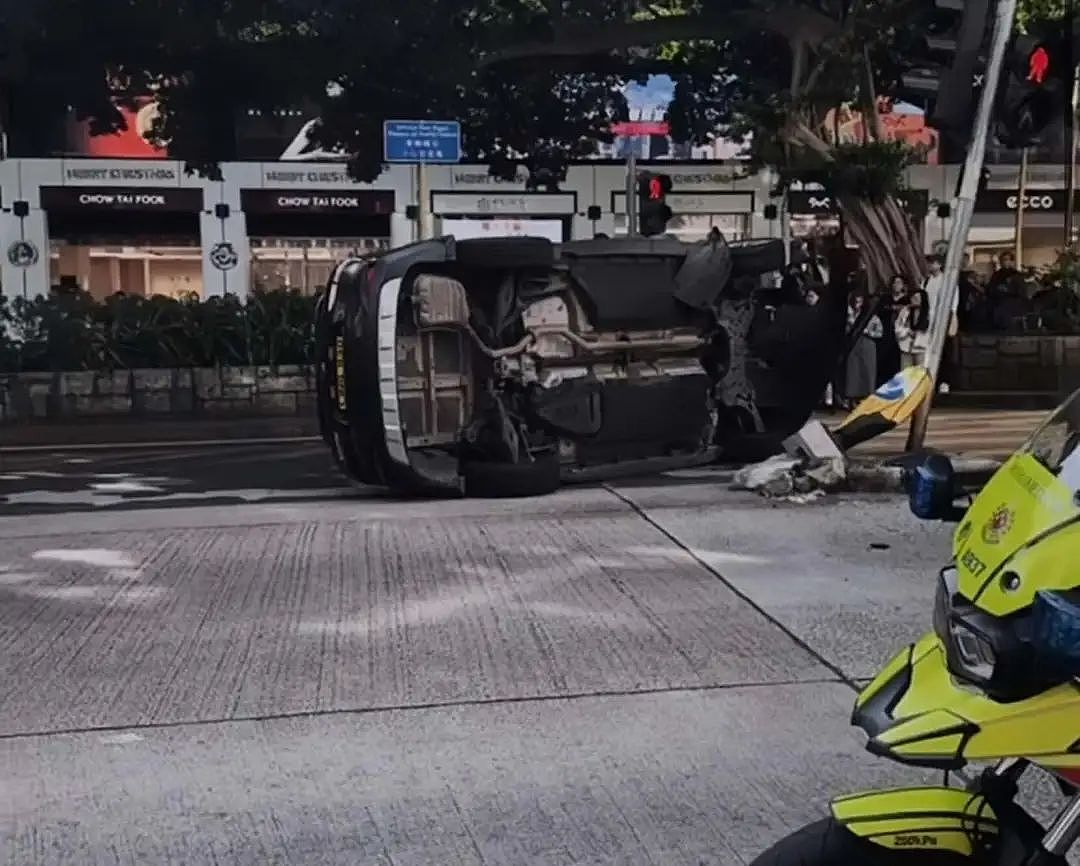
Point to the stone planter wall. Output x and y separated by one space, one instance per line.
215 393
985 363
1024 364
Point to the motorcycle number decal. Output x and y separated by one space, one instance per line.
916 841
972 563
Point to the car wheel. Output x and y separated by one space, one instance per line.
757 257
505 252
490 480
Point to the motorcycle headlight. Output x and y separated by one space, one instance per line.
974 651
1010 658
969 650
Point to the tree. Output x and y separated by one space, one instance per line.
535 82
356 64
779 74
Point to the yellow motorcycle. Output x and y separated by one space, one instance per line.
996 683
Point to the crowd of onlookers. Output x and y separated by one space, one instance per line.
895 335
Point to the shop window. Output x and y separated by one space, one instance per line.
695 227
105 249
304 264
145 269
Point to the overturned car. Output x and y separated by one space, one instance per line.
506 366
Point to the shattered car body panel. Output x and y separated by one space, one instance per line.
444 360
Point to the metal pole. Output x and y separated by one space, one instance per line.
1070 162
423 211
785 228
941 309
1018 247
1070 129
631 190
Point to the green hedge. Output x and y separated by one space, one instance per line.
71 331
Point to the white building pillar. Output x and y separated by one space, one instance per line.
24 251
226 250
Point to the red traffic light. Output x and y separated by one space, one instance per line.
1038 65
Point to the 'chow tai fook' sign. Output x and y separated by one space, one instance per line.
147 199
368 202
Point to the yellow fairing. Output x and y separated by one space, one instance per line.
939 819
916 713
1025 522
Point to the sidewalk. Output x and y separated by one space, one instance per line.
100 432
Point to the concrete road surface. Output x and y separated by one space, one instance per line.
658 672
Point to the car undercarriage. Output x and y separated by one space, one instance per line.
504 367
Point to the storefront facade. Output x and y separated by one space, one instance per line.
144 226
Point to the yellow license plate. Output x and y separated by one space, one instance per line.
339 369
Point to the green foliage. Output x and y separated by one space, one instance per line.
210 62
873 171
71 331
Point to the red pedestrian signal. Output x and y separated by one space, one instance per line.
1038 65
656 189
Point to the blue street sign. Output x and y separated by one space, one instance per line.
422 141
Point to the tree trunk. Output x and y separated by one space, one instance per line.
887 241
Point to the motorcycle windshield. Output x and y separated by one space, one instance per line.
1033 494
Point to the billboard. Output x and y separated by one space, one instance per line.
130 143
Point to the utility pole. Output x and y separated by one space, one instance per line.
941 309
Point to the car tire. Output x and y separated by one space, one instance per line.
505 252
491 480
757 257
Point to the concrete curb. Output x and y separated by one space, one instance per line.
866 476
150 445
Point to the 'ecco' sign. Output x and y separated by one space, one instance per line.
1006 200
1035 202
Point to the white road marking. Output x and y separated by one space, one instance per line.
99 556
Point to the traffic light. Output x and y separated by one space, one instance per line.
1034 90
653 211
945 75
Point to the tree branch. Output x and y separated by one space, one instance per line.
794 23
801 134
871 115
798 63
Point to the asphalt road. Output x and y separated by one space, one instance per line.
35 482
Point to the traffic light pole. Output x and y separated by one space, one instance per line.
941 308
631 192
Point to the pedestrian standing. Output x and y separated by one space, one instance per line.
888 350
860 375
912 330
934 285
